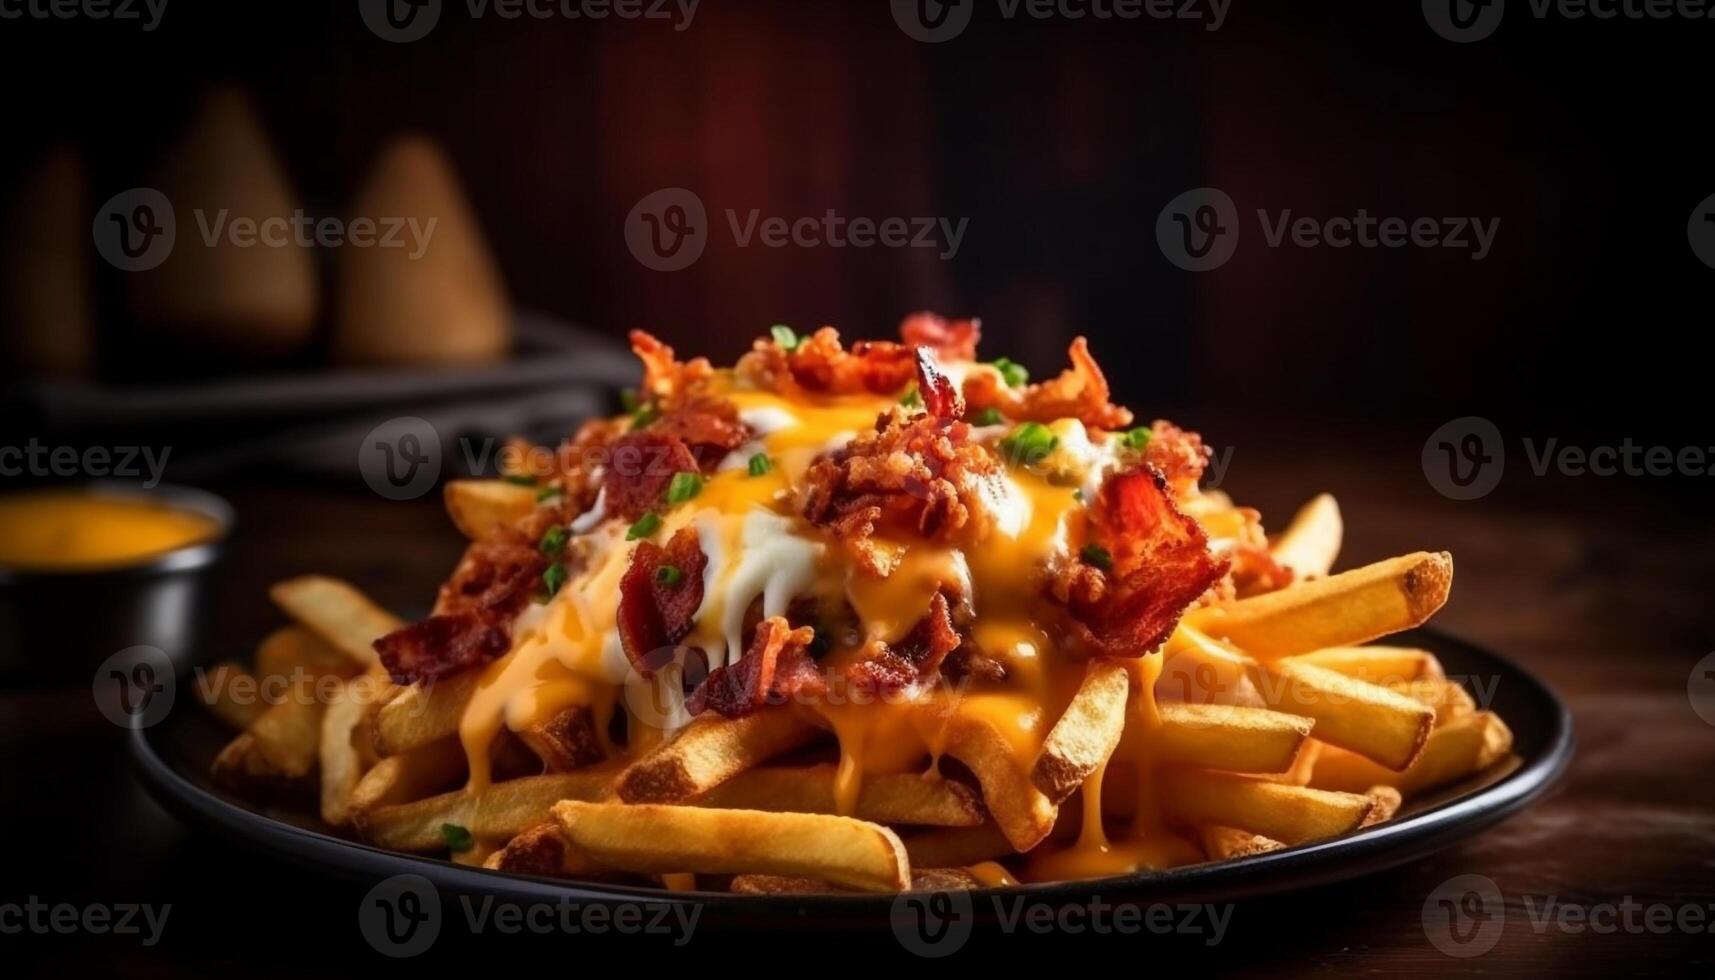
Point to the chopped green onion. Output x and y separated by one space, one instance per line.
630 400
1029 443
553 578
760 464
644 415
458 838
1078 495
988 416
1137 438
519 480
785 336
683 487
1096 555
646 525
912 398
553 541
547 492
1013 373
669 575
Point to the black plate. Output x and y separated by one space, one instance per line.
174 756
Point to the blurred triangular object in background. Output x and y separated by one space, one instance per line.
46 300
435 296
247 296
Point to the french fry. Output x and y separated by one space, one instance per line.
231 693
1023 812
1340 610
656 838
337 613
567 740
922 880
1289 814
279 748
293 650
1445 697
506 810
1086 733
898 798
1218 736
1311 540
1455 750
424 713
709 751
1367 718
423 771
1376 664
1226 843
343 755
1302 767
1387 803
481 507
543 850
957 846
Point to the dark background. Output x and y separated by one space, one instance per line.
1061 142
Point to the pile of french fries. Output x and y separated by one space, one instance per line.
1275 727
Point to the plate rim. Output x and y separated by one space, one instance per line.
1293 869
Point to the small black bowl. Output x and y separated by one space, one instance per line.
58 625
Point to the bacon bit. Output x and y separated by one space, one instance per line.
776 667
709 427
654 616
1161 564
1179 455
663 376
940 396
639 467
919 654
1080 392
820 364
953 339
472 623
914 473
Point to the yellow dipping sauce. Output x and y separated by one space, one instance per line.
69 529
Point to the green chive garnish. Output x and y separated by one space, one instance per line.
988 416
646 525
1097 556
1013 373
553 578
669 575
683 487
643 416
1029 443
912 398
630 400
1078 495
1137 438
547 492
553 541
760 464
458 838
519 480
785 336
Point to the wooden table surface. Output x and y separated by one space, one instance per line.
1599 586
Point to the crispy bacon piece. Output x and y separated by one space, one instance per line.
665 377
473 616
953 339
1080 392
940 396
820 364
1160 564
919 654
639 467
654 615
917 474
775 668
1179 455
709 428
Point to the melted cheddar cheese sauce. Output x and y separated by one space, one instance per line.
70 529
761 552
